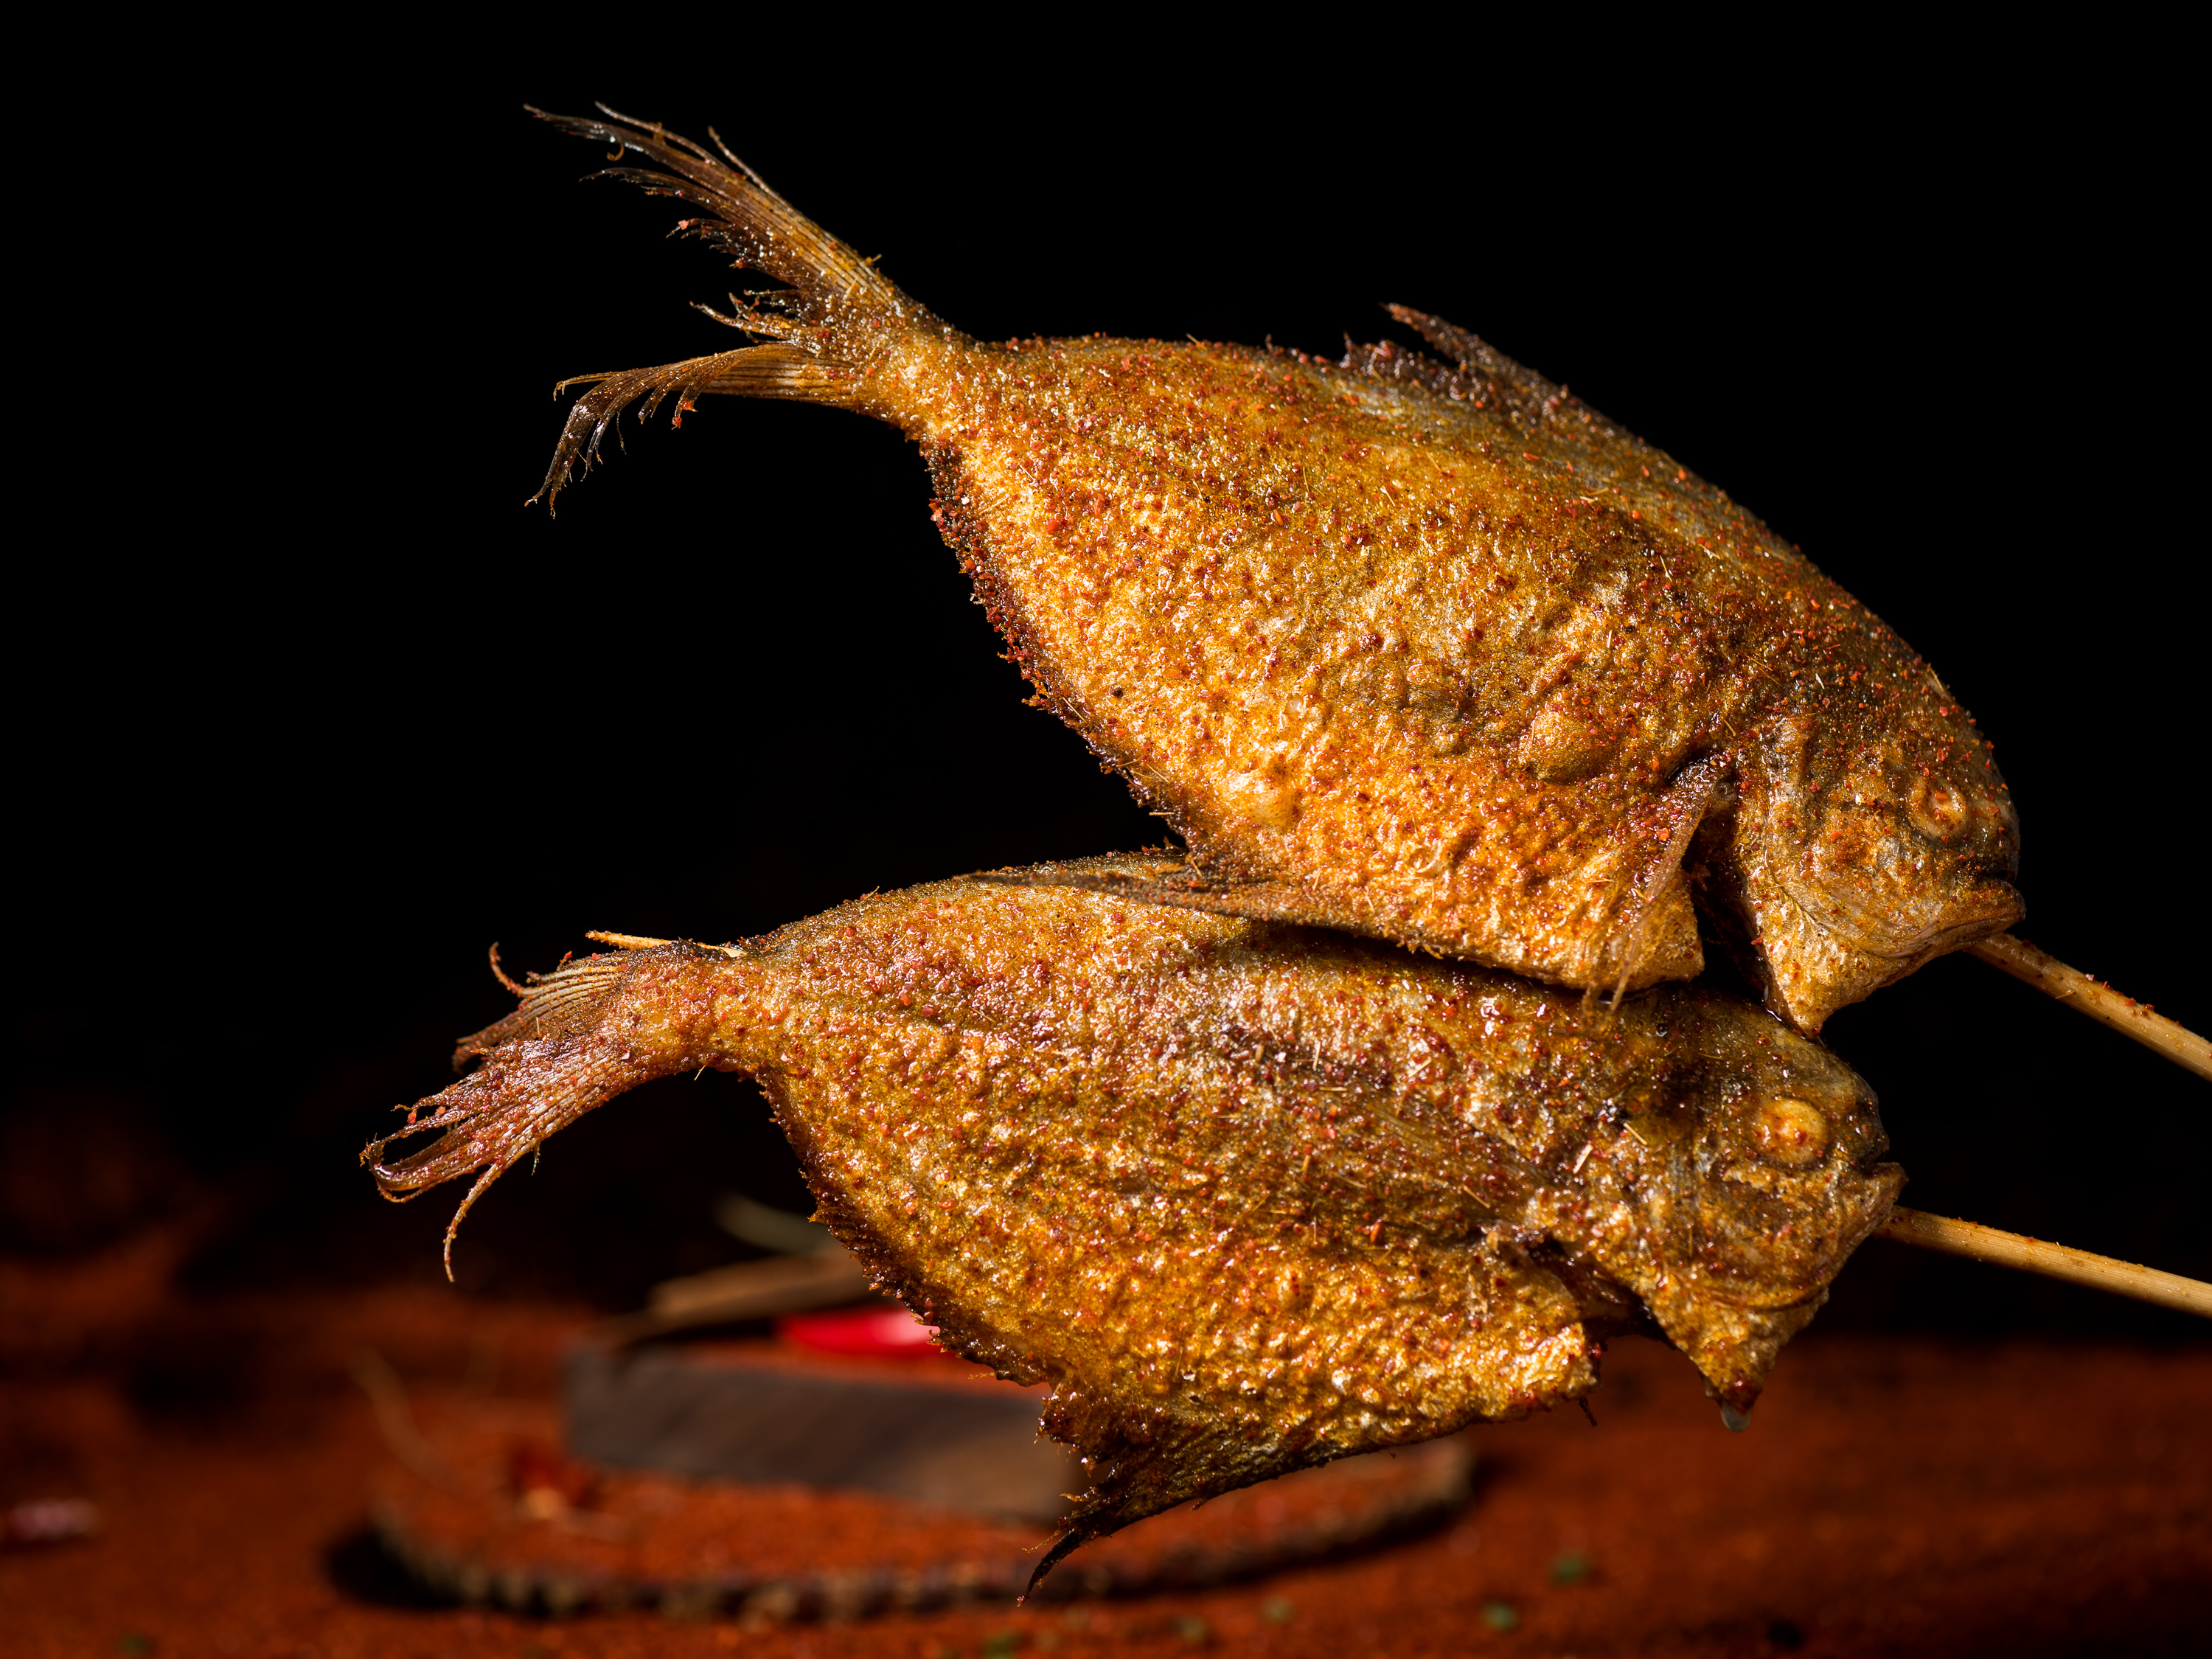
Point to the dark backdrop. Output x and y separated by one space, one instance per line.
309 709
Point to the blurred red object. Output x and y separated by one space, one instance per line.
48 1521
873 1332
545 1483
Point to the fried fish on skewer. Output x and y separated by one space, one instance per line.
1419 649
1250 1197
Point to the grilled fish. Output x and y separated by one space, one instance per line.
1419 647
1249 1196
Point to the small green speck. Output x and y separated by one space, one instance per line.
1193 1630
133 1645
1001 1644
1571 1567
1499 1615
1277 1609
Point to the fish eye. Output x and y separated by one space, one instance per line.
1938 811
1792 1132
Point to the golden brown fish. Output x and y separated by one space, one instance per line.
1428 651
1249 1196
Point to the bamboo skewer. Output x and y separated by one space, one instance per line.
2100 1002
2031 1256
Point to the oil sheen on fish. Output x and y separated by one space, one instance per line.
1249 1196
1426 650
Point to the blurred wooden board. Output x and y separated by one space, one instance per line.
931 1429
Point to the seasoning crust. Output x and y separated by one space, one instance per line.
1417 647
1250 1197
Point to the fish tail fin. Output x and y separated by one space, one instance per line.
834 318
584 1034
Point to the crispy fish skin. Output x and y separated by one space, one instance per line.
1249 1196
1431 652
1385 673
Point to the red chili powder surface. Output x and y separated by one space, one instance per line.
1892 1496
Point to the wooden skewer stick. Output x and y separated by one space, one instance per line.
2100 1002
2031 1256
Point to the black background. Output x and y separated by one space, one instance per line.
309 709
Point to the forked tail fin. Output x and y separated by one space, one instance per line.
584 1033
823 331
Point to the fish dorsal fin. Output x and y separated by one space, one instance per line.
1517 387
1558 424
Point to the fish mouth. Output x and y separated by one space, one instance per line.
1856 1220
2000 907
1864 952
1988 903
1732 1317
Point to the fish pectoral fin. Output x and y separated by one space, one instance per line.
1637 946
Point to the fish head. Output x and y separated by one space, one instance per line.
1764 1171
1868 848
